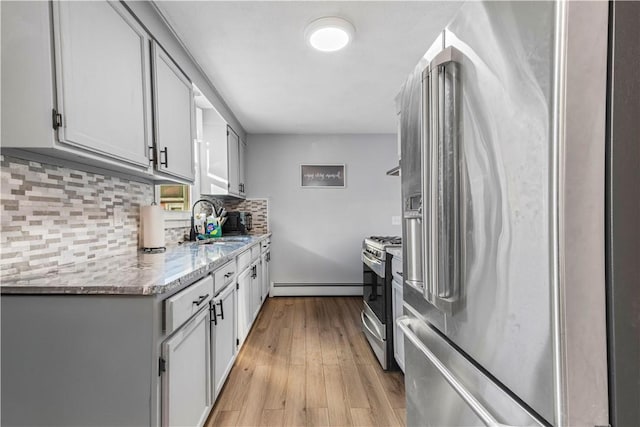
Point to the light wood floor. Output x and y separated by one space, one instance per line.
307 363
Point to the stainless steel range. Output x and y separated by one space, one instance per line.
377 315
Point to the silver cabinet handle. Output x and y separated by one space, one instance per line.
482 412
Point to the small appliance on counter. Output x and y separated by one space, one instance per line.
238 222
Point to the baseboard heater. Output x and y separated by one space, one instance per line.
281 289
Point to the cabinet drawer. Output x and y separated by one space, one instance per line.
180 307
223 276
265 244
244 260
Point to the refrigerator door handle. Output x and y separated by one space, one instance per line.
486 417
444 245
425 172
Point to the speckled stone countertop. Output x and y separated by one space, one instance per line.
135 274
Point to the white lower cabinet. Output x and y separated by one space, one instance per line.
186 382
245 310
223 332
256 289
398 338
266 285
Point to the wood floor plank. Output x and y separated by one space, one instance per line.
299 319
234 393
381 409
310 311
328 346
298 347
362 417
354 388
343 346
401 414
294 408
251 413
272 418
393 385
337 404
224 419
316 394
317 417
312 346
283 349
277 387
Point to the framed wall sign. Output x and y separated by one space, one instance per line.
322 176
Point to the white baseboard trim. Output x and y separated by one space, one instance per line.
315 289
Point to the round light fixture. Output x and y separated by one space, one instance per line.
329 34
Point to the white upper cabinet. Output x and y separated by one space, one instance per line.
83 81
102 80
213 154
233 142
174 112
220 154
242 168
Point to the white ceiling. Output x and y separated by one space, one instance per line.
255 54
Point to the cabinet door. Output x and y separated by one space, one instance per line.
103 80
256 290
242 168
214 165
244 304
174 113
266 257
186 383
224 336
234 161
398 338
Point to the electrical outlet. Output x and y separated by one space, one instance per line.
395 220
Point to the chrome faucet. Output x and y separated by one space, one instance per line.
192 232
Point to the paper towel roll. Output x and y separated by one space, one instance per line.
152 218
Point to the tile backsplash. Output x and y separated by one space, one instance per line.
53 215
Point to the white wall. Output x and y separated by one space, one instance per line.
318 233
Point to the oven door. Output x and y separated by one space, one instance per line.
373 286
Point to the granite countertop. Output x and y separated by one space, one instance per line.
138 273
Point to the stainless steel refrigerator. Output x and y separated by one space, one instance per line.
503 180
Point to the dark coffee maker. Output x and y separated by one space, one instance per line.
238 222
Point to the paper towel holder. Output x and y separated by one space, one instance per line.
152 250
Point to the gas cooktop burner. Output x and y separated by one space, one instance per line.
376 245
390 240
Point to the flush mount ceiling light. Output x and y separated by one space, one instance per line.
329 34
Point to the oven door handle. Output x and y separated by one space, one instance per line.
371 260
365 323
